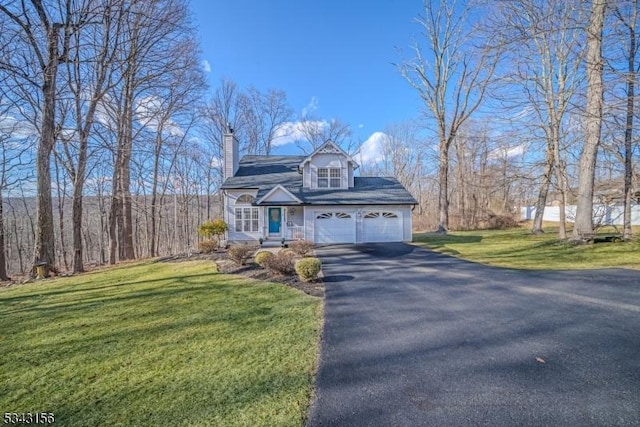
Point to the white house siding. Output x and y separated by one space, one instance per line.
230 217
279 195
327 161
308 176
231 155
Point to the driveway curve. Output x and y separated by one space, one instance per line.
414 338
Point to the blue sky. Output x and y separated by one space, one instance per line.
334 56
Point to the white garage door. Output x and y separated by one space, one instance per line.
382 227
335 227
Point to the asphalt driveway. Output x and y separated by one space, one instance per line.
416 338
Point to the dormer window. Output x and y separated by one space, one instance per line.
329 178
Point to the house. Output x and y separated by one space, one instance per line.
314 197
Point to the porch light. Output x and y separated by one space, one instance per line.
292 210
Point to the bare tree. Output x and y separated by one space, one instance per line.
402 155
628 17
44 31
264 115
227 107
151 30
316 132
15 154
593 121
93 53
544 50
451 76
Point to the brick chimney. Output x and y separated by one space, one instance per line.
231 160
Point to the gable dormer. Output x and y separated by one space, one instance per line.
328 167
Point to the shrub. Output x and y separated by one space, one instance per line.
308 268
501 222
287 251
213 228
208 246
301 247
282 262
262 257
240 254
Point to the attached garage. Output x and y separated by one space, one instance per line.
335 227
382 226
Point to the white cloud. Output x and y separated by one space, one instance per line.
216 162
372 150
147 110
360 126
20 129
206 66
311 107
507 152
290 132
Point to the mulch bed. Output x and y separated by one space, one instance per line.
252 270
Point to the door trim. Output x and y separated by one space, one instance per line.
270 222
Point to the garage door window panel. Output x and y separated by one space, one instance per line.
381 226
335 227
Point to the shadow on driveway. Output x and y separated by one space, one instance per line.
419 338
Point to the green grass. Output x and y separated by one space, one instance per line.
158 344
517 248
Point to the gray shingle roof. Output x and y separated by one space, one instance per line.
265 172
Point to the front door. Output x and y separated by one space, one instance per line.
275 221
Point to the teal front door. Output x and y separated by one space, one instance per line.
275 220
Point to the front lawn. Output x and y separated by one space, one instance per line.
517 248
158 344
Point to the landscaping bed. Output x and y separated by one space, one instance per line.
254 271
251 269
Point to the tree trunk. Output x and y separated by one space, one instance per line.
76 211
61 189
114 212
443 197
125 172
461 150
542 194
44 245
3 260
560 175
154 195
562 220
593 120
628 132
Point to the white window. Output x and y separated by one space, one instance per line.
246 216
334 175
323 178
247 219
245 199
329 178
